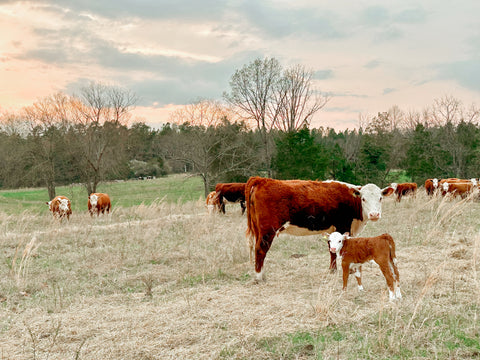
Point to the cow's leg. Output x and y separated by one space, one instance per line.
242 204
358 276
222 206
398 294
261 248
387 272
346 273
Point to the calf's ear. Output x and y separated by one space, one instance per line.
346 234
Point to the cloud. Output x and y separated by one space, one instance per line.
323 74
388 90
466 73
372 64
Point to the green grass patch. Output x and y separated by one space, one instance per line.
173 189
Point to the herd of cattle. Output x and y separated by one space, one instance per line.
302 207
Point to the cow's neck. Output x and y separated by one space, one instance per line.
357 226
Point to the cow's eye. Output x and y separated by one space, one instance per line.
363 199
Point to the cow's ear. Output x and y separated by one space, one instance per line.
48 202
345 235
388 191
356 191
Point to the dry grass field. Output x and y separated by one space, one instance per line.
169 281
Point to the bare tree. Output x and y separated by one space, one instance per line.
49 119
202 112
100 105
209 142
296 99
252 94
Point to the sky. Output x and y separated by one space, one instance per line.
367 56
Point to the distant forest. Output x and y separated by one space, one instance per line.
86 139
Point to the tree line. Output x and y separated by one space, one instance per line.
262 128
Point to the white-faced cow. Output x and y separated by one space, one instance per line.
60 207
299 207
431 186
99 203
357 251
458 188
230 192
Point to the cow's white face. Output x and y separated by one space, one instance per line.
445 186
435 183
93 200
372 196
474 182
336 241
63 205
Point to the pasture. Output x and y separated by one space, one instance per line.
162 279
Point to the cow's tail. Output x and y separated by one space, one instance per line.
250 204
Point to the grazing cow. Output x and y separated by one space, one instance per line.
459 188
431 186
300 207
212 202
98 202
356 251
404 189
60 207
231 192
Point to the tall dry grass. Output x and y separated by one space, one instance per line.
169 281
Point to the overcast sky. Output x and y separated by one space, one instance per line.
367 55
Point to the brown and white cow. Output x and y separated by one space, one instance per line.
301 207
457 188
99 203
431 186
60 207
403 189
212 202
231 192
357 251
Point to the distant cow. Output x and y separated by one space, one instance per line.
299 207
212 203
404 189
99 203
459 188
356 251
60 207
231 192
431 186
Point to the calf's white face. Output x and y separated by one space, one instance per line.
336 241
63 205
372 197
93 200
435 183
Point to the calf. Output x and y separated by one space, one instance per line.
212 202
404 189
99 203
356 251
60 207
231 192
